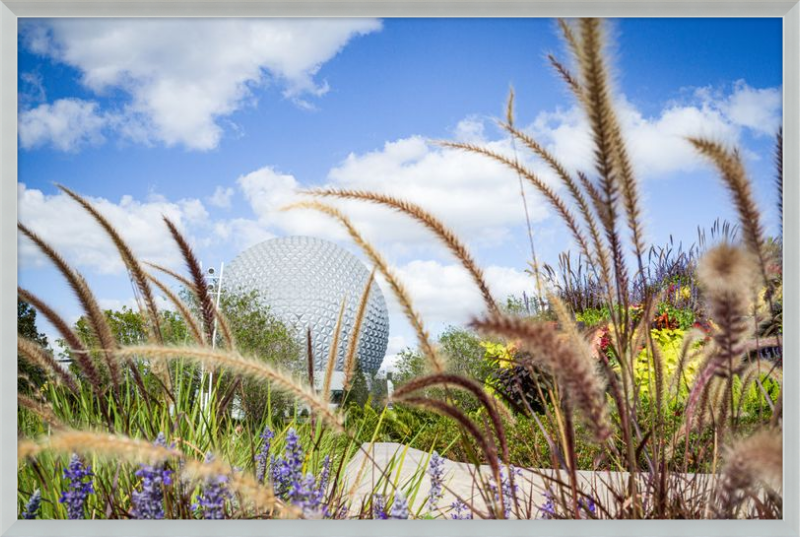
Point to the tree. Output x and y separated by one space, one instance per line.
358 394
464 354
260 335
410 364
26 327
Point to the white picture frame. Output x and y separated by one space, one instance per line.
11 11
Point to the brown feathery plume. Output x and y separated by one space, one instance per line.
182 308
199 279
425 218
574 372
79 352
599 109
755 460
731 168
222 322
454 413
594 195
510 106
726 274
94 314
45 412
122 447
134 267
333 352
235 362
92 443
555 201
451 380
601 255
310 359
380 263
575 47
355 334
39 357
567 76
169 272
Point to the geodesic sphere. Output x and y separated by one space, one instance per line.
304 280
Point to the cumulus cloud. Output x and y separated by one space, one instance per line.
476 197
77 236
657 144
444 293
221 197
66 125
184 75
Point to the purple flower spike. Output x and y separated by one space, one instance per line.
379 507
212 498
79 486
548 509
399 507
436 473
263 454
148 503
32 507
460 511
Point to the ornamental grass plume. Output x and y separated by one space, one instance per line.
148 503
727 274
32 507
80 484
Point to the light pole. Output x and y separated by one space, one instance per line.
215 289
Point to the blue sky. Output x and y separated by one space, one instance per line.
218 123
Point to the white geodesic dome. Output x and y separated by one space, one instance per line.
303 280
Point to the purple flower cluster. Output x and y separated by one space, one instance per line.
304 491
263 454
32 507
460 511
588 507
148 503
508 489
379 507
212 499
548 509
436 473
287 472
399 507
79 486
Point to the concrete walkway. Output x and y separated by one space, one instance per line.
408 467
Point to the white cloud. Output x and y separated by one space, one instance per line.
221 197
184 75
162 303
31 88
67 125
757 109
476 197
242 232
657 145
445 293
76 235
